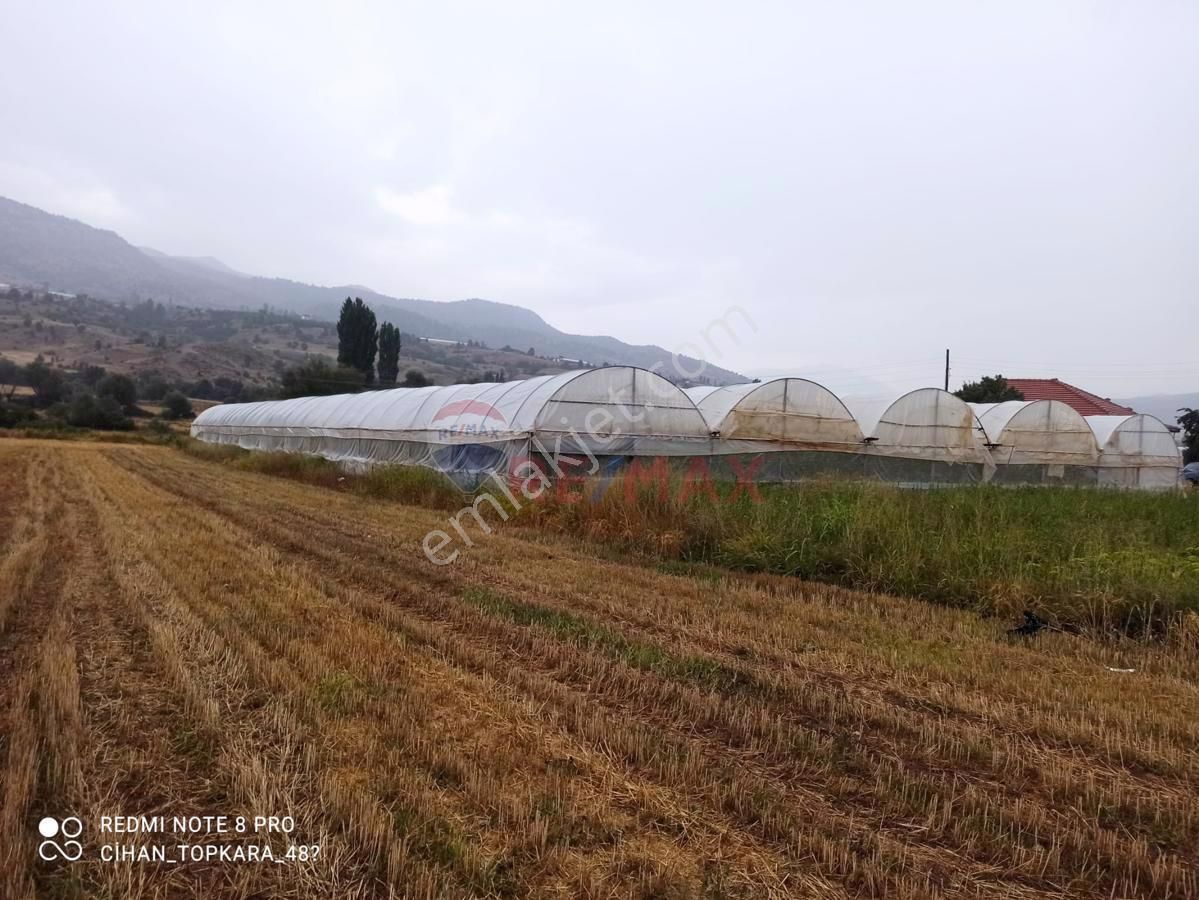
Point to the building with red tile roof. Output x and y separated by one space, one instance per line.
1084 402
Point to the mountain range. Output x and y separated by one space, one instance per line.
57 253
1164 406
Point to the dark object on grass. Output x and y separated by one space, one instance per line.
1031 625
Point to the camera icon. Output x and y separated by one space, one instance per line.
68 828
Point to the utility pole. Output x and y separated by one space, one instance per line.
947 369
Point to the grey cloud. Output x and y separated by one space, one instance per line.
874 183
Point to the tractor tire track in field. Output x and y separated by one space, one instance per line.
535 721
13 485
307 655
97 728
234 750
351 551
308 539
33 574
540 656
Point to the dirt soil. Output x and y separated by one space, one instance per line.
538 719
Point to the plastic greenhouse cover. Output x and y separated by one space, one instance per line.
1138 451
1039 431
699 392
610 403
792 428
1135 435
923 418
785 409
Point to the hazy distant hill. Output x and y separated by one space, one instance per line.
52 251
1164 406
40 249
209 263
184 345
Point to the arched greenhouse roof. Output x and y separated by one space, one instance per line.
611 401
1048 428
926 418
785 409
1136 435
699 392
1136 451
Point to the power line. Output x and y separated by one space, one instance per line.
1165 368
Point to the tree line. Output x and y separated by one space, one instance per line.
91 397
368 355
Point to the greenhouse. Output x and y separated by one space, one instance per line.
800 427
1039 442
590 418
596 422
782 410
927 436
1136 451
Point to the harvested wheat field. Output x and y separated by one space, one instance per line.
180 638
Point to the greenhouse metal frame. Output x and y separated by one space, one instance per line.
471 431
597 422
1136 451
926 436
1039 442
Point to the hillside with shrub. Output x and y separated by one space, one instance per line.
211 354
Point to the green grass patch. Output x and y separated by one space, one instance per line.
340 693
589 635
409 484
401 484
1107 559
52 430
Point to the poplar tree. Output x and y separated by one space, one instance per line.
389 354
357 338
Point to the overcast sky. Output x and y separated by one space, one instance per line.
871 183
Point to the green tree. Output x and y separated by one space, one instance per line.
389 354
49 385
988 389
1188 421
12 415
152 386
416 378
357 338
203 390
104 413
176 406
10 376
91 375
120 388
317 377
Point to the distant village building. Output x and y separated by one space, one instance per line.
1083 402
